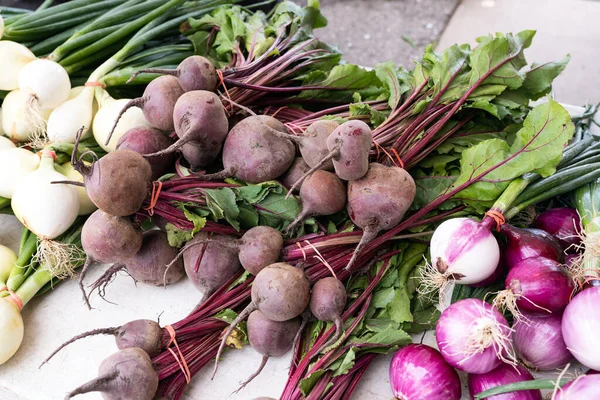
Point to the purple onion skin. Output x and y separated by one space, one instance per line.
585 387
541 285
457 324
539 342
503 375
419 372
562 223
526 243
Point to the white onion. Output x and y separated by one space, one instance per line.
66 120
7 261
105 119
11 329
14 57
14 165
45 82
86 206
6 143
464 250
16 117
46 209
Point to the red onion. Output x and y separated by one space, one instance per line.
503 375
537 285
580 327
464 250
539 342
420 372
562 223
474 337
526 243
586 387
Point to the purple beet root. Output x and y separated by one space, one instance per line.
198 156
269 338
198 117
313 143
327 303
295 173
157 103
210 264
322 193
147 140
348 146
141 333
256 150
280 292
378 201
260 247
107 239
127 374
194 73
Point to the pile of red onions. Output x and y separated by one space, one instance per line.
562 223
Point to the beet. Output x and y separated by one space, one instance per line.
199 117
198 156
156 263
269 338
127 374
107 239
209 265
348 146
157 104
253 153
327 303
194 73
149 264
295 173
313 143
118 183
378 201
141 333
280 291
147 140
322 193
260 247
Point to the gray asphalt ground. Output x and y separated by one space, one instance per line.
373 31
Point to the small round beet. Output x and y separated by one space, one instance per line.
313 145
378 201
118 183
194 73
150 263
198 156
210 264
127 374
147 140
322 193
295 173
327 303
260 247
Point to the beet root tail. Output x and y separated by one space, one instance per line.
95 385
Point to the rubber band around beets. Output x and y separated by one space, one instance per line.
95 84
398 158
498 217
156 188
13 297
181 359
222 82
